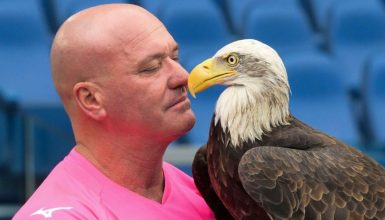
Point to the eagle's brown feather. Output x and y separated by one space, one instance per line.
294 172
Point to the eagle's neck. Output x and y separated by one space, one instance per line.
248 113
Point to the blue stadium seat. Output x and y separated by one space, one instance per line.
65 8
356 30
152 6
198 26
20 18
156 7
374 91
24 40
319 96
286 30
320 10
61 11
238 10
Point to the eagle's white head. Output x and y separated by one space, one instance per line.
257 97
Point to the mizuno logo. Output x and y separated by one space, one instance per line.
47 213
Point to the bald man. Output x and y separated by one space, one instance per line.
116 70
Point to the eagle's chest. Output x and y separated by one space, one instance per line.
223 161
223 158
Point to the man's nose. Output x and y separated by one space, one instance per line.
178 76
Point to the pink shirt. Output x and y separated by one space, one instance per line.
75 189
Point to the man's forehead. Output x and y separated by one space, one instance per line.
144 35
147 43
134 31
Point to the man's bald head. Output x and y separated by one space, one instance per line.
88 40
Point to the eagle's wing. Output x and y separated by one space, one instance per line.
203 183
327 182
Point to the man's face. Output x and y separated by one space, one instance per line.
146 88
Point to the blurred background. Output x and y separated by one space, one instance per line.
334 52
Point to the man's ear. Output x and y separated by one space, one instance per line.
89 99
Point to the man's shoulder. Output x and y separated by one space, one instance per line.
61 194
56 203
63 210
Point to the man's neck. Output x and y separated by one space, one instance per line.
137 168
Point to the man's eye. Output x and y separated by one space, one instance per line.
151 69
175 58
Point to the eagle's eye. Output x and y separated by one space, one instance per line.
232 59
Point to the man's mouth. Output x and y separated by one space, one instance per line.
181 102
181 99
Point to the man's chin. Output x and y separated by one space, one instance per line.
190 124
187 126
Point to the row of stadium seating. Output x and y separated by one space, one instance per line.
332 49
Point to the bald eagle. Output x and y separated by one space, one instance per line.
260 162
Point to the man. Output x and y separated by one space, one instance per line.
116 69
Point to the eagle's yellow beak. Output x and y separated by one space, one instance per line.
204 75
